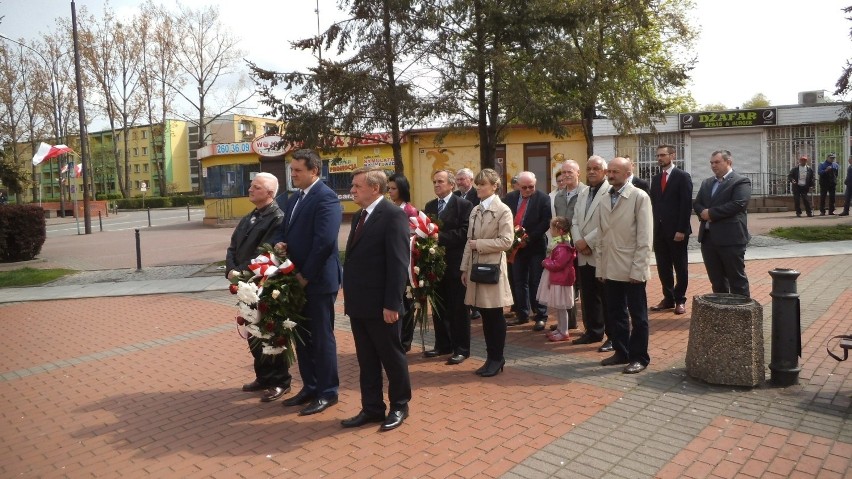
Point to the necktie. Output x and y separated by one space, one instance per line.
593 191
716 185
360 227
441 204
663 181
522 209
254 216
613 196
298 200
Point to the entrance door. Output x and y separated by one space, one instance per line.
537 160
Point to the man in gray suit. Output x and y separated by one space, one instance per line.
723 233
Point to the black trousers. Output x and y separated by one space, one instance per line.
592 302
627 319
725 266
526 272
271 371
801 192
494 331
826 190
672 263
451 319
377 347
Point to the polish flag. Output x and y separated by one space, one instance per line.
46 152
78 170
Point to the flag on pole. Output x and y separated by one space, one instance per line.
46 152
78 170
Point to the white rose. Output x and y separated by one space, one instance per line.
431 250
417 270
276 294
272 351
422 283
288 324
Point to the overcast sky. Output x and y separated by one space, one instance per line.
777 48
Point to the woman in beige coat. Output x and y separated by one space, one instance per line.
489 235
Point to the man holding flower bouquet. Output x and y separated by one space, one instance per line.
255 229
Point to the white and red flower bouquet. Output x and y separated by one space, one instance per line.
426 268
270 299
519 240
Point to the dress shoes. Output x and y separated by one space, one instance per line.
302 397
519 321
394 419
680 309
434 353
253 386
634 367
662 306
606 347
586 339
509 315
475 314
318 405
539 326
274 393
843 214
361 419
492 368
456 359
614 360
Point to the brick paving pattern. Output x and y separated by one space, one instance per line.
148 386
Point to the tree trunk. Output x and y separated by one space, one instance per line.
588 119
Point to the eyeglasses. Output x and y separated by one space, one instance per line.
528 187
660 155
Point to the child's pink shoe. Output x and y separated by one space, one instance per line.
558 337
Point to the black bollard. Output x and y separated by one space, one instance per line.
138 251
187 212
100 221
786 328
149 216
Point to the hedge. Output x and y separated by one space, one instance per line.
22 232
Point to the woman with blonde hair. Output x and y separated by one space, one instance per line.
489 235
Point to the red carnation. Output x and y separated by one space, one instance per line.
262 307
241 320
270 326
280 341
432 277
233 288
415 253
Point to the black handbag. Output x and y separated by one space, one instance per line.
485 273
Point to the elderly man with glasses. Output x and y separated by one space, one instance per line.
531 210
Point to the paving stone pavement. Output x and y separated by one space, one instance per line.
148 386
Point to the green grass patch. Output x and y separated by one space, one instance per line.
31 276
812 234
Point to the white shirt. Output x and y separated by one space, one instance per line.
803 175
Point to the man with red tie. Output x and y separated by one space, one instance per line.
531 209
671 200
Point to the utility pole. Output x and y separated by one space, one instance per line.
84 135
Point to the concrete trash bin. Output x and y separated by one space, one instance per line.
726 340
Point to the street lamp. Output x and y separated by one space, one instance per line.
57 112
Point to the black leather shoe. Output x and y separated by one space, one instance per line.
394 420
361 419
434 353
606 347
475 314
318 405
274 393
586 339
253 386
456 359
519 322
539 326
662 306
482 368
634 367
613 360
302 397
493 368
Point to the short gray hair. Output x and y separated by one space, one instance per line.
270 182
466 172
374 177
597 159
570 164
527 174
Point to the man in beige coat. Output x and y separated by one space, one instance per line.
585 230
624 264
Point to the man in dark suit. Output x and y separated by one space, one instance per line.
531 209
671 200
848 194
255 229
377 255
309 234
451 320
464 185
801 179
723 233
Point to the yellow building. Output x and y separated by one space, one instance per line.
228 168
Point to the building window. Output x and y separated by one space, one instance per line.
136 152
136 168
133 136
145 168
270 128
144 151
228 181
137 184
144 134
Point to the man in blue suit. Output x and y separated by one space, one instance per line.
309 232
723 233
